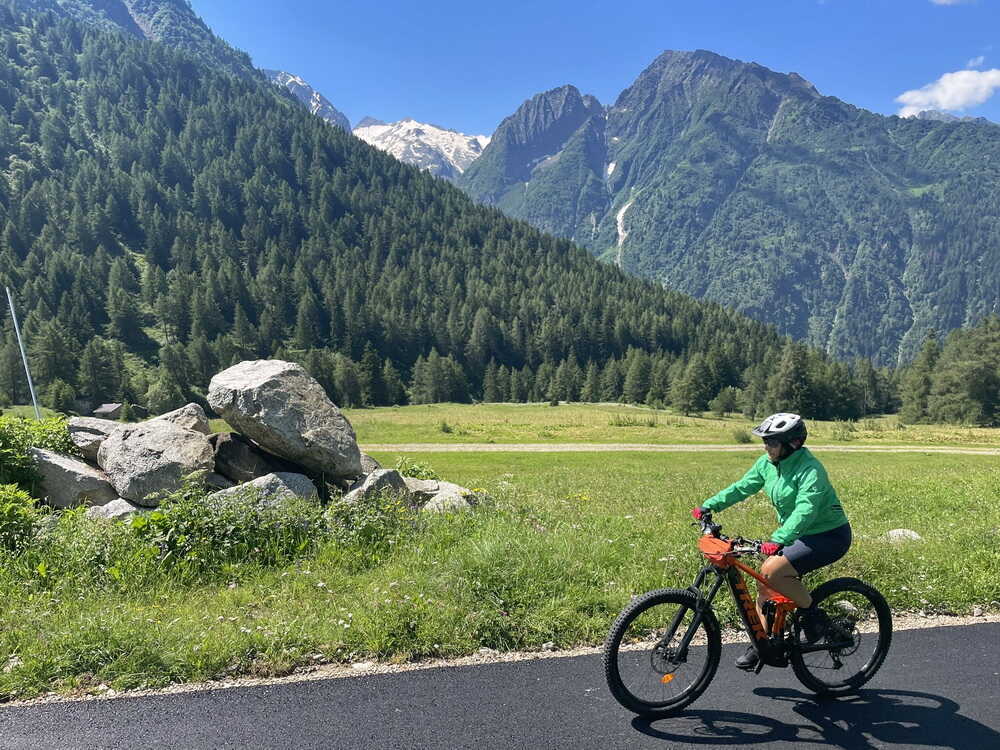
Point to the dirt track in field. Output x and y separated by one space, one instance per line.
653 447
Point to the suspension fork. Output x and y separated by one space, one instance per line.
704 603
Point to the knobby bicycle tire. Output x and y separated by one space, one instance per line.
850 683
685 602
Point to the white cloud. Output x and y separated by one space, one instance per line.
952 91
976 62
950 2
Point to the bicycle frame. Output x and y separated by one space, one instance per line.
767 639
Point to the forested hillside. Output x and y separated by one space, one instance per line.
161 220
172 22
956 382
855 232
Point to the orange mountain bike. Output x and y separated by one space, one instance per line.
664 648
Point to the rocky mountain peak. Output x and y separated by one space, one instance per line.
318 104
441 151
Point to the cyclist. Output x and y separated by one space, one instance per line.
814 529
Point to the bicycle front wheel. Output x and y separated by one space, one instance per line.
855 643
646 670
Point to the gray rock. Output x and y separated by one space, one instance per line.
148 459
215 481
380 480
271 489
277 405
422 490
369 464
903 535
243 461
446 501
189 416
87 434
68 482
117 509
450 497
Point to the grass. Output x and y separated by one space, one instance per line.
28 412
618 423
562 545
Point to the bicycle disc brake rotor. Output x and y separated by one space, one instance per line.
663 659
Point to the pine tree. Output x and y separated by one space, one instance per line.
917 380
395 391
689 393
591 392
491 394
788 387
638 377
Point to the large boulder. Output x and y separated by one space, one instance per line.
189 416
68 483
87 434
242 461
380 480
146 460
271 489
278 405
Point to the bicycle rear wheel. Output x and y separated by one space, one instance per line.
855 643
645 671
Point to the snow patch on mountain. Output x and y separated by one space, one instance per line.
318 104
442 152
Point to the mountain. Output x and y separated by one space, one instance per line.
444 153
160 219
856 232
317 103
172 22
545 164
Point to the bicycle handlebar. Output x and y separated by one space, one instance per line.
740 545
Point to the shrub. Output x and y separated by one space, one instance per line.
415 469
18 517
202 537
843 431
371 525
445 427
742 436
18 436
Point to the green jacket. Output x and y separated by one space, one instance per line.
799 490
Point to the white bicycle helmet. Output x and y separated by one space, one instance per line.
783 426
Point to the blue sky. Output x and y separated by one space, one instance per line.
467 65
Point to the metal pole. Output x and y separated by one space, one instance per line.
24 356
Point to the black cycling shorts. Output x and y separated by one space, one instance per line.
813 551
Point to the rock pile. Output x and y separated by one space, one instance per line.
292 442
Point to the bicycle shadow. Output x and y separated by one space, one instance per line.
853 722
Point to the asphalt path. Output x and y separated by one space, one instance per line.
939 688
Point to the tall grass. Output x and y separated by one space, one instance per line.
559 548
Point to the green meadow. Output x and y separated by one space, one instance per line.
620 423
559 547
